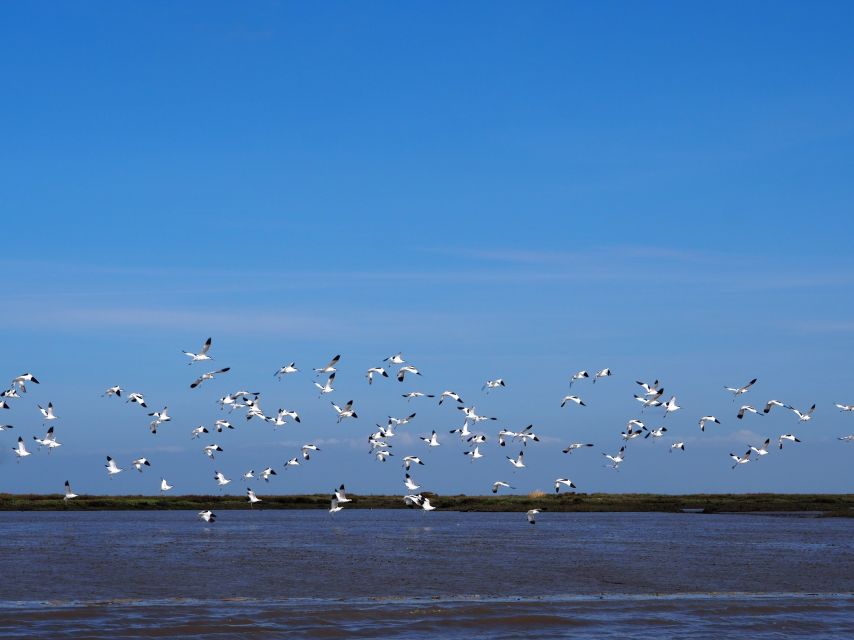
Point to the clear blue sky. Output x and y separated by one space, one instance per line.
496 189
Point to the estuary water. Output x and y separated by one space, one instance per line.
412 574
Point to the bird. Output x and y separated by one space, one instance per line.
432 440
532 515
327 386
22 379
286 370
21 449
334 506
417 394
47 414
113 391
575 445
787 436
526 434
48 441
493 384
803 416
220 478
737 391
741 459
3 427
670 406
208 376
616 459
649 401
500 483
746 409
265 474
410 460
211 449
564 481
160 416
650 389
475 454
849 438
397 422
578 376
401 374
604 373
383 455
763 450
409 483
164 486
112 467
139 463
69 494
477 438
706 419
425 504
249 474
845 407
341 495
4 405
677 445
306 448
452 395
397 358
222 425
329 368
293 462
207 516
574 399
655 433
250 495
518 462
773 403
201 355
375 371
137 398
195 433
345 412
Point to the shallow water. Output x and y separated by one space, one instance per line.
408 574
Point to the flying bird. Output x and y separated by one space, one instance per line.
329 368
493 384
677 445
500 483
746 409
139 463
803 416
401 374
47 414
575 445
112 467
207 516
201 355
574 399
564 481
774 403
518 462
379 371
69 494
286 370
21 449
113 391
706 419
737 391
787 436
741 459
578 376
532 515
250 495
208 376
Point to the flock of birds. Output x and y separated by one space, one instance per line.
650 397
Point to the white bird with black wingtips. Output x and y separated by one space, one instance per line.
112 467
564 481
787 436
21 449
69 494
737 391
201 355
208 376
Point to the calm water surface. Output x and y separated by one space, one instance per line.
408 574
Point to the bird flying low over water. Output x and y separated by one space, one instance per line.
69 494
499 484
334 507
737 391
252 498
341 495
563 481
207 516
532 515
201 355
208 376
410 484
112 467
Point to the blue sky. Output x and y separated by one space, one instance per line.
496 189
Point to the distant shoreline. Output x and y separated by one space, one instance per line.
841 505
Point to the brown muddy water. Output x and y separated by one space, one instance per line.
407 574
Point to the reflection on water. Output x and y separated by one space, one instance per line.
412 574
